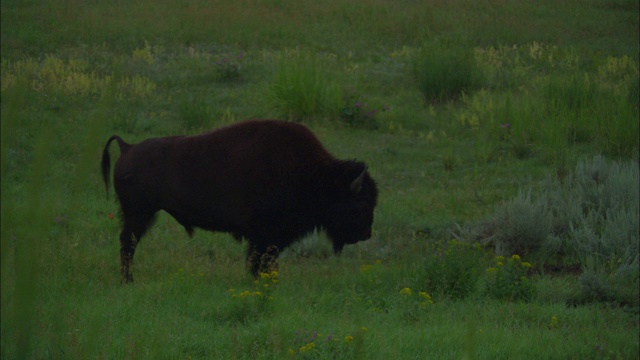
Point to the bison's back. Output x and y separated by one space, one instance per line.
264 155
270 142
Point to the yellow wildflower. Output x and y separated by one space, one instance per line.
348 338
516 257
405 291
427 298
310 346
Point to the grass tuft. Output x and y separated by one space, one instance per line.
301 88
444 73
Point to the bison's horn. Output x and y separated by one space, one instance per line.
356 185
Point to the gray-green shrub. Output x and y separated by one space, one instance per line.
591 218
519 226
607 231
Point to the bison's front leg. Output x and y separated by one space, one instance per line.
262 259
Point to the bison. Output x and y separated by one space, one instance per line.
270 182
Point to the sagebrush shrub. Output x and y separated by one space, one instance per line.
607 230
313 246
590 218
519 226
621 287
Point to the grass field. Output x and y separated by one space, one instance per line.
503 136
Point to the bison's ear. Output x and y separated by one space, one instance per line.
356 185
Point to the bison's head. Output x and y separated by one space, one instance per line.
350 198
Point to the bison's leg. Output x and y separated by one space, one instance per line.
128 244
262 259
130 236
269 261
253 260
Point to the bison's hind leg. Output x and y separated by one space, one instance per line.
133 230
128 243
262 259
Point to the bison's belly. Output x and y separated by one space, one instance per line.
212 218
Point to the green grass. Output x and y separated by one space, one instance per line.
558 85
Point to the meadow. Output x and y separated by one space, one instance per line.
503 136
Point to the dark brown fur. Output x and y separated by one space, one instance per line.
270 182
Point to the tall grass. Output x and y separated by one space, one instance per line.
444 73
583 111
554 114
301 87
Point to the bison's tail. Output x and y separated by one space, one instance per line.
106 159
